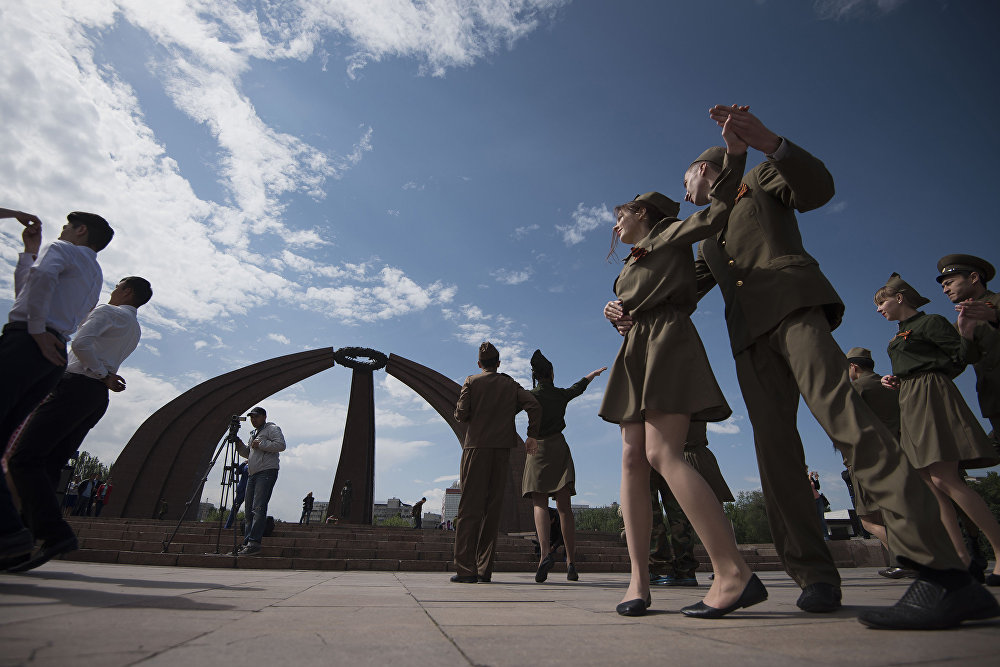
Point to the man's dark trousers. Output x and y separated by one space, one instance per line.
53 433
27 378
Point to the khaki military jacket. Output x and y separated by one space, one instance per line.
883 402
488 403
987 342
758 260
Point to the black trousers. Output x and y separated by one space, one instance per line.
27 377
54 431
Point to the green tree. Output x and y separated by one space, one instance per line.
601 519
749 518
88 464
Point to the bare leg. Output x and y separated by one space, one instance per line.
567 523
540 501
948 516
944 476
876 529
665 435
636 510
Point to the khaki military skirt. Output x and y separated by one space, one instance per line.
550 469
703 460
662 366
936 424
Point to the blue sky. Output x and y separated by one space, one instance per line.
419 177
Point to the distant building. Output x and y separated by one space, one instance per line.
204 509
391 508
431 520
576 508
449 507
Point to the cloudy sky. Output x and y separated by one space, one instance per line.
417 177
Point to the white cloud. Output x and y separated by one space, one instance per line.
279 338
586 219
512 277
728 427
447 478
836 207
523 232
847 9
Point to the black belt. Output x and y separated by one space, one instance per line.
23 326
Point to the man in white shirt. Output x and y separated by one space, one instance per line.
54 290
60 423
266 440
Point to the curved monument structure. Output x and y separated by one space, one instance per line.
168 454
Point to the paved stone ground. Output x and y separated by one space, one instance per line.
69 613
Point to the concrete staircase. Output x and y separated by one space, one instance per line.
352 547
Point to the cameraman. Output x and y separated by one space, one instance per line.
266 441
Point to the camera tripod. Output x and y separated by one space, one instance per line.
226 448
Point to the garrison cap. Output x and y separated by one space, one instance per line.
950 264
912 296
716 155
662 203
489 355
861 357
540 366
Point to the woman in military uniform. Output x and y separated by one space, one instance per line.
938 432
550 472
661 380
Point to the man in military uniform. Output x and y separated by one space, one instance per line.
488 403
780 311
963 279
885 404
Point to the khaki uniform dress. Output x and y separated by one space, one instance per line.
488 402
780 311
936 423
551 468
662 364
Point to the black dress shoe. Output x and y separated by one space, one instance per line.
754 593
49 550
636 607
542 573
464 579
927 605
571 572
819 598
897 573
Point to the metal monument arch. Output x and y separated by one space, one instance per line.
167 455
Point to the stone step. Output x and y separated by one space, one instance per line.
331 547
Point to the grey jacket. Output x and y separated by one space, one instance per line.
265 457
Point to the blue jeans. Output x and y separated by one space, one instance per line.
259 488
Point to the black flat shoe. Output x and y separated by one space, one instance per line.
754 593
571 573
464 579
636 607
49 550
543 569
927 605
819 598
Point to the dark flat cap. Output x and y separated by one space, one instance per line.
950 264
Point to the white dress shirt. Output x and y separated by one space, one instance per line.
57 290
104 341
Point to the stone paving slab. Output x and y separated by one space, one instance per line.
81 613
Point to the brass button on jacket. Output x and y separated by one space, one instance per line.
739 283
